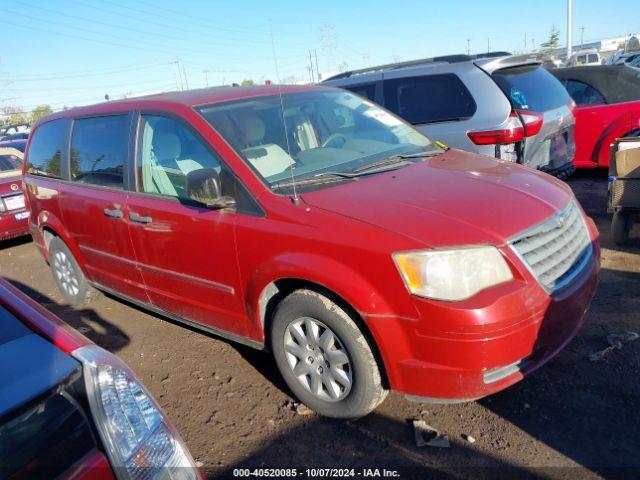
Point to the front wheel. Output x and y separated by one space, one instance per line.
324 358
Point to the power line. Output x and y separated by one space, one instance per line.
131 29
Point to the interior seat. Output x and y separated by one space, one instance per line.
269 158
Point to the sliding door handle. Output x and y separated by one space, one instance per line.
115 213
134 217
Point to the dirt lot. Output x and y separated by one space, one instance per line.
573 419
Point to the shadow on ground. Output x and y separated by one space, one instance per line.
86 320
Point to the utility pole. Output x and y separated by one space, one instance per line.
525 42
468 46
313 80
206 77
582 37
327 45
176 72
184 71
315 53
488 44
569 28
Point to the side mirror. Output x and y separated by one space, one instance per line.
203 186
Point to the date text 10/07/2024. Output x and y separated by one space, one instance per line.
316 473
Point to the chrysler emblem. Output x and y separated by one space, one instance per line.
560 219
14 187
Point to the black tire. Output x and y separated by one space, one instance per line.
365 391
69 276
620 227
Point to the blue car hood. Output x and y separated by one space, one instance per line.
29 365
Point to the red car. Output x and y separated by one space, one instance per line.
313 223
69 409
13 214
607 101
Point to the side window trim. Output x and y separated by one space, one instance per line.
127 158
137 144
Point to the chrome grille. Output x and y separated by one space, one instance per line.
556 250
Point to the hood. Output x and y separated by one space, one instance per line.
10 182
456 198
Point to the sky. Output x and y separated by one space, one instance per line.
68 53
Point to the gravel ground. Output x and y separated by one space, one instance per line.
572 419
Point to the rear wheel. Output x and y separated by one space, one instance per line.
324 358
68 276
620 227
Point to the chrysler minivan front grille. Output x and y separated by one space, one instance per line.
556 250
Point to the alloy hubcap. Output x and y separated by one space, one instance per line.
65 274
318 359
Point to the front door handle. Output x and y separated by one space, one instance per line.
134 217
115 213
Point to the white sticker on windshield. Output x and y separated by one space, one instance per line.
382 117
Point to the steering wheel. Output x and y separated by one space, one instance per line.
333 137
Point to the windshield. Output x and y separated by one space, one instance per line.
9 162
320 131
531 87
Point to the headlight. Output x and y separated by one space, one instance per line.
140 441
455 274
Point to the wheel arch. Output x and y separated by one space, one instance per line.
275 291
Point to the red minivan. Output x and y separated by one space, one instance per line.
313 223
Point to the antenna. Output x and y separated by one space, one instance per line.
284 121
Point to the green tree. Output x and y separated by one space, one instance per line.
549 47
247 83
40 111
12 115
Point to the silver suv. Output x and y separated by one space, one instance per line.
495 104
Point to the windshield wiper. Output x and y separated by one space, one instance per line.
396 159
326 177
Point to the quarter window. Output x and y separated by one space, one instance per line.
430 98
168 152
47 149
99 149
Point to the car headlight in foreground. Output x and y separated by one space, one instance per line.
139 439
452 274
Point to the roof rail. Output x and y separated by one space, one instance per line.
456 58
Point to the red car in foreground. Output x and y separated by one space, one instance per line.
607 101
314 223
13 214
69 409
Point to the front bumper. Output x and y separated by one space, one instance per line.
11 227
467 350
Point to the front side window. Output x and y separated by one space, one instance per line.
429 99
47 149
99 149
367 90
168 152
308 133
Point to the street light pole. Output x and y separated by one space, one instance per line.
569 28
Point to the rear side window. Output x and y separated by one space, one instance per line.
47 149
98 150
531 87
427 99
